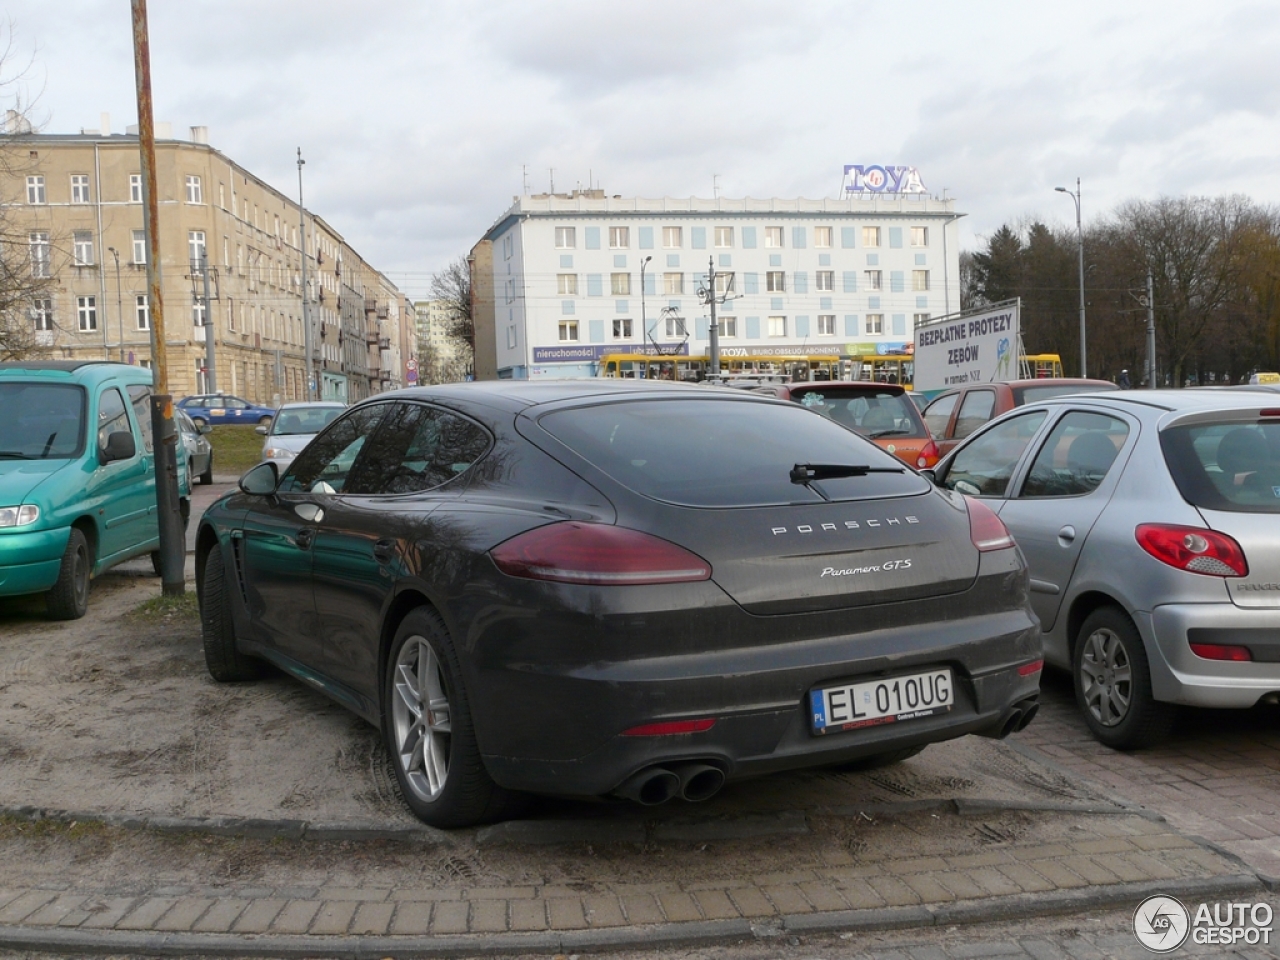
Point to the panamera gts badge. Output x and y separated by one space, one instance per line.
870 568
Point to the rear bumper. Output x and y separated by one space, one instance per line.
1179 676
29 562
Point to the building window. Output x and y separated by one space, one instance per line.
622 329
142 312
672 237
195 193
875 323
197 311
826 324
919 279
566 238
39 243
568 331
824 280
82 248
776 281
675 324
724 236
773 236
724 284
135 188
35 190
620 284
822 236
567 284
619 238
777 326
871 236
920 318
673 283
919 236
79 188
87 313
42 313
139 246
728 327
195 249
873 279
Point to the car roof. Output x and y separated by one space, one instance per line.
850 386
75 371
1174 401
295 404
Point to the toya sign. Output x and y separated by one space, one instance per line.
877 179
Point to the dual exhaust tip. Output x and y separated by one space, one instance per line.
693 782
1017 719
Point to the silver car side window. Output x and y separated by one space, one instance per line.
983 466
1076 456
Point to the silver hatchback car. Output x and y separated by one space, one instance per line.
1150 521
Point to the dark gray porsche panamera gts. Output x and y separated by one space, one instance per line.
617 588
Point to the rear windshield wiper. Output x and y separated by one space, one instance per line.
15 455
892 431
809 472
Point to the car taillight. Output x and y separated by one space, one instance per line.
928 456
1193 549
596 553
986 530
1222 651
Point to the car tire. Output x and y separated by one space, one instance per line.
68 598
157 564
428 731
1113 683
225 661
206 478
877 760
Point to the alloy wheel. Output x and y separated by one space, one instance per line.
421 718
1106 677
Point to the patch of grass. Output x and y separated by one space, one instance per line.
236 448
163 609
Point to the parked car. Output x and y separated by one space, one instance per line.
616 587
219 409
77 477
882 412
953 415
196 447
294 426
1150 521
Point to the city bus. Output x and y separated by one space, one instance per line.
694 368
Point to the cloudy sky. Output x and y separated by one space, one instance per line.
420 120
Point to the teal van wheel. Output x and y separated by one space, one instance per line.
69 598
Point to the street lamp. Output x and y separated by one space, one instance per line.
119 300
644 325
1080 234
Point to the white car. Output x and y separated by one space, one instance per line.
293 427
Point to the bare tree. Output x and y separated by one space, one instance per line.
452 286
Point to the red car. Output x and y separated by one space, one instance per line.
953 415
881 412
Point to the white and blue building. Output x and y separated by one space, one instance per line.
568 279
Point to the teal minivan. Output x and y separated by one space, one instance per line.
77 477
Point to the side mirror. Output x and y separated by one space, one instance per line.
262 480
929 475
203 427
262 429
120 446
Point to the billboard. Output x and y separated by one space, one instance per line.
977 347
861 180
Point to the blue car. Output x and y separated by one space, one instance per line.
220 408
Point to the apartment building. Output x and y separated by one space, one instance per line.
568 279
441 358
76 199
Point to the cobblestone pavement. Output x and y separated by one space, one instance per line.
1216 777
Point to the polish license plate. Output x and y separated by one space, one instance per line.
876 702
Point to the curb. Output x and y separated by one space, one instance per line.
697 933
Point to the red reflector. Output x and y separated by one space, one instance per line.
986 530
1193 549
1269 413
1221 651
670 728
1027 669
597 553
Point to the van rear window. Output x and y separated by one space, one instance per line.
41 421
1233 466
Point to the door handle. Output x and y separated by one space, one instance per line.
1067 535
384 550
304 537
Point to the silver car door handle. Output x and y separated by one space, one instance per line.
1067 535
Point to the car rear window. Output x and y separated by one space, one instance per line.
715 452
41 421
1233 466
873 413
1032 394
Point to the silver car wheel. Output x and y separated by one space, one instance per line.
1106 677
421 718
